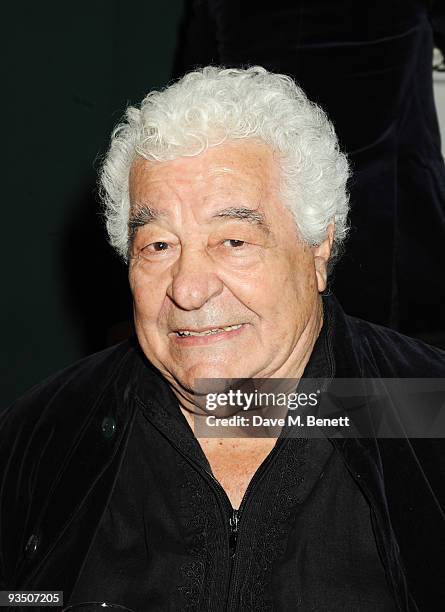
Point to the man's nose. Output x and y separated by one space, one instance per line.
194 280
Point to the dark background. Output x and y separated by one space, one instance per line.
69 72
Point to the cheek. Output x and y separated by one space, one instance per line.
274 290
291 291
148 296
293 274
299 271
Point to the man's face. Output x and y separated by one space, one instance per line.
222 285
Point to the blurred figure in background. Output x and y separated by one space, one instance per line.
369 67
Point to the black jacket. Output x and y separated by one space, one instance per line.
61 449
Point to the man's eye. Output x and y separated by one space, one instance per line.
234 243
155 247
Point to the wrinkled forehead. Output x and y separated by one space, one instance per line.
237 173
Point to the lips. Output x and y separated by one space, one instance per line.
183 333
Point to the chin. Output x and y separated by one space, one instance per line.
213 371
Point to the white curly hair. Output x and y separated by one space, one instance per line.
212 105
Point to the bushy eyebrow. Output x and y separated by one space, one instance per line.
148 214
143 216
244 214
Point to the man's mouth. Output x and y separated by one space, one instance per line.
182 333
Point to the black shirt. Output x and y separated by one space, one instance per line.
304 538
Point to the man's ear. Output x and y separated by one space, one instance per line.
322 253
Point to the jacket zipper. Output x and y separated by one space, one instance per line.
235 518
222 498
235 515
233 535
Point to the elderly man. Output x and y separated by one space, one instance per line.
225 193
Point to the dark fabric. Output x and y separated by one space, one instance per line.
438 21
60 457
369 67
306 543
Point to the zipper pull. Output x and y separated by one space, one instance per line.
233 523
